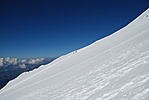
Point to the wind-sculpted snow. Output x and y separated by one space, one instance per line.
125 75
115 68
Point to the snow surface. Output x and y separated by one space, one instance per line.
113 68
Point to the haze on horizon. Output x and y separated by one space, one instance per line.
49 28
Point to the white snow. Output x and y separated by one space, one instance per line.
114 68
1 61
22 66
147 14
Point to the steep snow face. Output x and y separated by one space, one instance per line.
113 68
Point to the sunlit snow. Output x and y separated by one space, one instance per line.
114 68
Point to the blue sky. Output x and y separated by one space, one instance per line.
49 28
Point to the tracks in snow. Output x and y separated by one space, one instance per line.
66 69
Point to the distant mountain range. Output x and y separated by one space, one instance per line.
10 68
113 68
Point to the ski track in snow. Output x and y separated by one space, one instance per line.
68 68
37 74
86 87
123 74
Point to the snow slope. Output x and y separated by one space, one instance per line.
113 68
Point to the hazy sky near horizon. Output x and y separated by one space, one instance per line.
48 28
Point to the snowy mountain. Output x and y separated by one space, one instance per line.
113 68
10 68
16 61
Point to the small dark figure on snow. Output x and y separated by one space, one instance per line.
74 52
